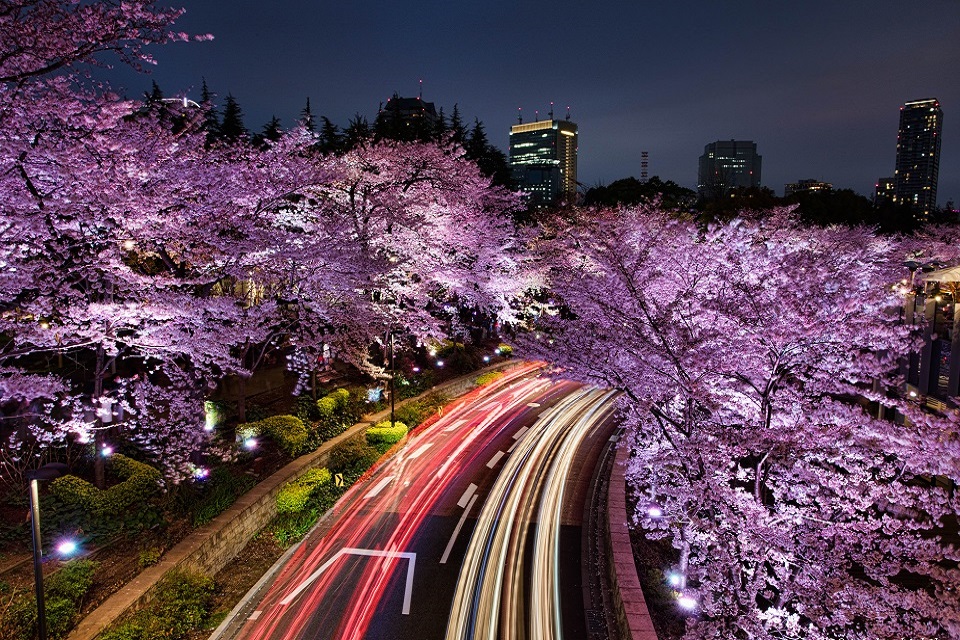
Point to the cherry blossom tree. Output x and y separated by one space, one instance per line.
754 357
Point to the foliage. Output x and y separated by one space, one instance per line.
149 557
740 349
487 378
140 484
288 432
216 493
295 495
181 604
352 457
334 416
63 596
504 350
72 581
290 526
384 433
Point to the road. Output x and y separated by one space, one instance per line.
484 492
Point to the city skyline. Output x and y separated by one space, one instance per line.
821 102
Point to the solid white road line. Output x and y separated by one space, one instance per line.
255 615
465 498
495 459
456 532
380 486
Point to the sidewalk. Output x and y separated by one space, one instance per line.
210 547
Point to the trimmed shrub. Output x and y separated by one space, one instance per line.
141 482
384 433
288 432
410 414
487 378
334 416
63 593
294 496
352 457
505 350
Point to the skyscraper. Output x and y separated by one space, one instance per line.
918 156
726 165
543 160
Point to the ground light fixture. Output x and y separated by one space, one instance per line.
687 602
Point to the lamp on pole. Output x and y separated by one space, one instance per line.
393 376
46 472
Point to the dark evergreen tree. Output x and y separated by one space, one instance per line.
307 120
477 143
330 138
440 128
211 120
271 133
232 129
357 133
458 131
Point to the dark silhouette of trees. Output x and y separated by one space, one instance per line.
232 129
628 191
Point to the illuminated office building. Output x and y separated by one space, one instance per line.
918 156
543 160
727 165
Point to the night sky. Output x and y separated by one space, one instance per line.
816 84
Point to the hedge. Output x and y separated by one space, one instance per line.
140 483
294 496
384 433
288 432
487 378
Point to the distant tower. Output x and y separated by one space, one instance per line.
727 165
543 159
644 165
918 156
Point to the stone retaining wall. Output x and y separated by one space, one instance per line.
633 618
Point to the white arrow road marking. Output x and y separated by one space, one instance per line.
454 425
520 432
456 532
380 486
375 553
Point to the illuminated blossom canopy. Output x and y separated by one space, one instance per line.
754 357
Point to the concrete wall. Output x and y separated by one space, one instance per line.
633 618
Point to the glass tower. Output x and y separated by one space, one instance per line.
543 160
918 156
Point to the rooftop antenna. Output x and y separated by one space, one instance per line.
551 110
568 113
421 89
536 113
519 115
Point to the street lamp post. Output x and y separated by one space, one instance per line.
46 472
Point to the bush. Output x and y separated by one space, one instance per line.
63 593
219 491
384 433
288 432
487 378
334 416
141 482
505 350
72 581
290 527
149 557
353 457
294 496
181 605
